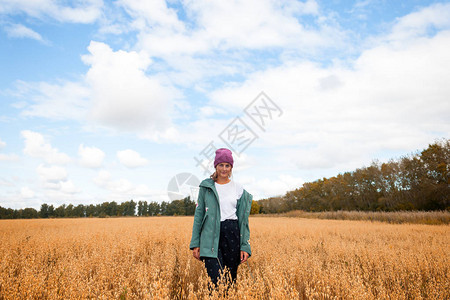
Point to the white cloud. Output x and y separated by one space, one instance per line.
9 157
102 178
56 183
422 22
6 183
121 189
219 38
90 157
120 186
79 11
255 24
264 187
242 162
52 174
35 146
223 25
123 96
63 101
2 144
21 31
131 158
115 92
68 187
26 193
153 12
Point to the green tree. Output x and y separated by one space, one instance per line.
154 208
29 213
140 208
91 211
79 211
51 211
43 212
163 208
69 211
189 206
145 209
6 213
255 208
112 208
128 208
435 185
60 211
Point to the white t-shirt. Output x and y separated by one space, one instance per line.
229 193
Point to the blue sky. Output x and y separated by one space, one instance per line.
109 100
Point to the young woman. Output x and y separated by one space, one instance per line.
220 235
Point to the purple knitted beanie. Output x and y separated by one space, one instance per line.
223 155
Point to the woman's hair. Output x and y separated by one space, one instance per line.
214 176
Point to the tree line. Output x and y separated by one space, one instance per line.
418 181
183 207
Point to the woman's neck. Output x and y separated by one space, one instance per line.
223 180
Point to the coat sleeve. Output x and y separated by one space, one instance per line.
245 239
198 219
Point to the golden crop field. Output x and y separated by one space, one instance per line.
148 258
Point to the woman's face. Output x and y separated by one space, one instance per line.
223 170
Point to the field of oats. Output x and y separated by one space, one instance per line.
293 258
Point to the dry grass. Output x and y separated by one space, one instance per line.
148 258
398 217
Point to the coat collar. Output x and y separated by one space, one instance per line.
208 183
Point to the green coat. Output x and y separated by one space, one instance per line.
206 229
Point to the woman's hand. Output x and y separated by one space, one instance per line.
244 256
196 253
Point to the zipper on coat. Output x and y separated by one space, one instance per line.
214 232
215 221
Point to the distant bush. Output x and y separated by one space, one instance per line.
398 217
